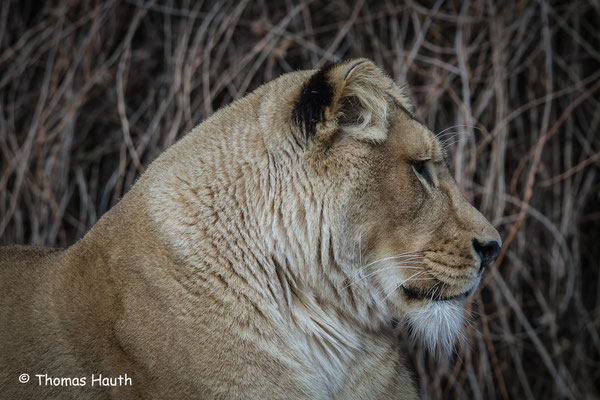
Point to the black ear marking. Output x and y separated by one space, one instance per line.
352 67
316 94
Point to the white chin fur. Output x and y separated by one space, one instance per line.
437 324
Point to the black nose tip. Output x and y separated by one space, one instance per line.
487 250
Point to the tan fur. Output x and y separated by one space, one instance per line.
250 262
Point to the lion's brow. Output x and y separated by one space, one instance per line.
414 118
401 107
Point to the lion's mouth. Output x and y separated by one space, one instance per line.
417 294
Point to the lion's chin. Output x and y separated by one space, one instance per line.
437 324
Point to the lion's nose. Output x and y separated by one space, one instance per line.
487 251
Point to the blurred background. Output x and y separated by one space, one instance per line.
92 91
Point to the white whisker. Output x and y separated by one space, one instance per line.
446 145
423 279
441 291
450 134
456 126
402 283
406 260
433 288
408 265
405 257
452 138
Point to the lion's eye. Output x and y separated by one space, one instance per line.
421 169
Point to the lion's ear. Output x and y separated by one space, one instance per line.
348 97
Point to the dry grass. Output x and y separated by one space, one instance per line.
91 92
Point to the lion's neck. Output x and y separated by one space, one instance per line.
260 230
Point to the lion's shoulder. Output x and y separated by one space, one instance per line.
24 255
22 266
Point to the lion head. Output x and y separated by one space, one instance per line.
403 238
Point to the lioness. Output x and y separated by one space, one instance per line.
266 255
